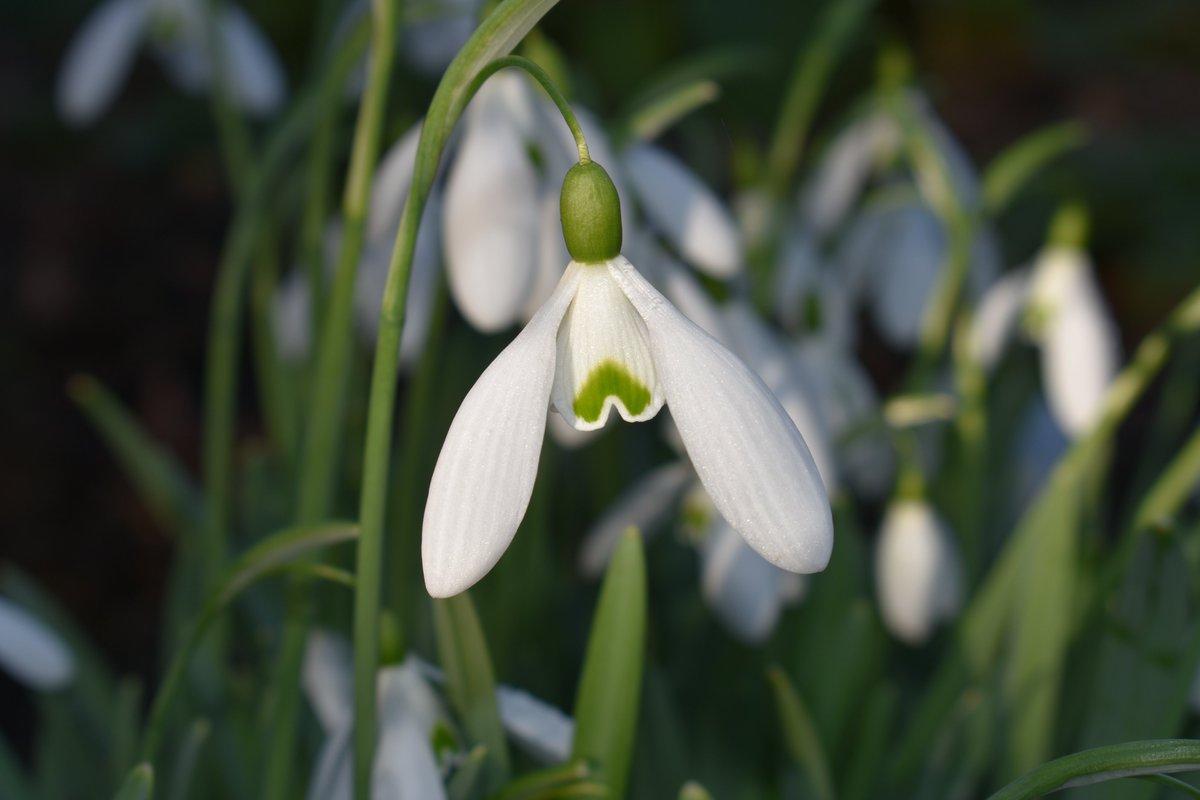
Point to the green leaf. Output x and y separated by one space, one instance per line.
1010 171
800 735
185 761
606 707
14 784
465 782
574 779
470 684
876 733
1128 760
660 113
160 479
139 785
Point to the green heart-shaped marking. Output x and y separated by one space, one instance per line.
609 379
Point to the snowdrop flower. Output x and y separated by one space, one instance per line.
918 571
100 56
31 652
809 297
996 318
607 339
405 765
1079 342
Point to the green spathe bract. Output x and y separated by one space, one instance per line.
609 379
591 214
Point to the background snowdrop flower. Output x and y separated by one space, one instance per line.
745 591
996 318
918 571
1079 344
31 652
684 210
607 339
99 58
405 766
541 730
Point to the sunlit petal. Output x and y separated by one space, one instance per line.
748 454
604 358
99 58
485 472
685 211
645 505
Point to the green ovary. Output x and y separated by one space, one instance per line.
609 379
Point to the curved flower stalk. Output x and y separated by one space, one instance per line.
1079 342
101 55
606 339
32 653
918 571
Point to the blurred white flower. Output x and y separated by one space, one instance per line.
101 54
606 338
996 318
1079 341
918 571
31 652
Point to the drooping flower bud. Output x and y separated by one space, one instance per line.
591 214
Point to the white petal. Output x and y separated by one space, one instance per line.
404 692
686 211
604 358
784 377
918 571
254 70
740 585
328 679
1080 347
644 505
485 472
996 318
405 767
291 317
491 226
906 271
31 652
99 59
538 728
748 454
845 168
390 186
332 778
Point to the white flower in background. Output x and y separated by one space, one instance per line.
996 318
810 298
685 211
607 339
292 311
32 653
101 55
1079 342
405 765
918 571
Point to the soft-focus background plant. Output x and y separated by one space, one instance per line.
112 233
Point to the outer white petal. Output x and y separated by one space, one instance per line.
604 354
390 186
332 779
918 571
906 272
538 728
257 78
845 168
1080 347
748 454
485 472
31 652
783 374
996 318
291 317
740 585
644 505
490 226
99 59
405 767
686 211
328 679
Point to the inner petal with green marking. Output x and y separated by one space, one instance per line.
603 357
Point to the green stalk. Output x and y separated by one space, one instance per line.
496 35
327 395
1129 760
